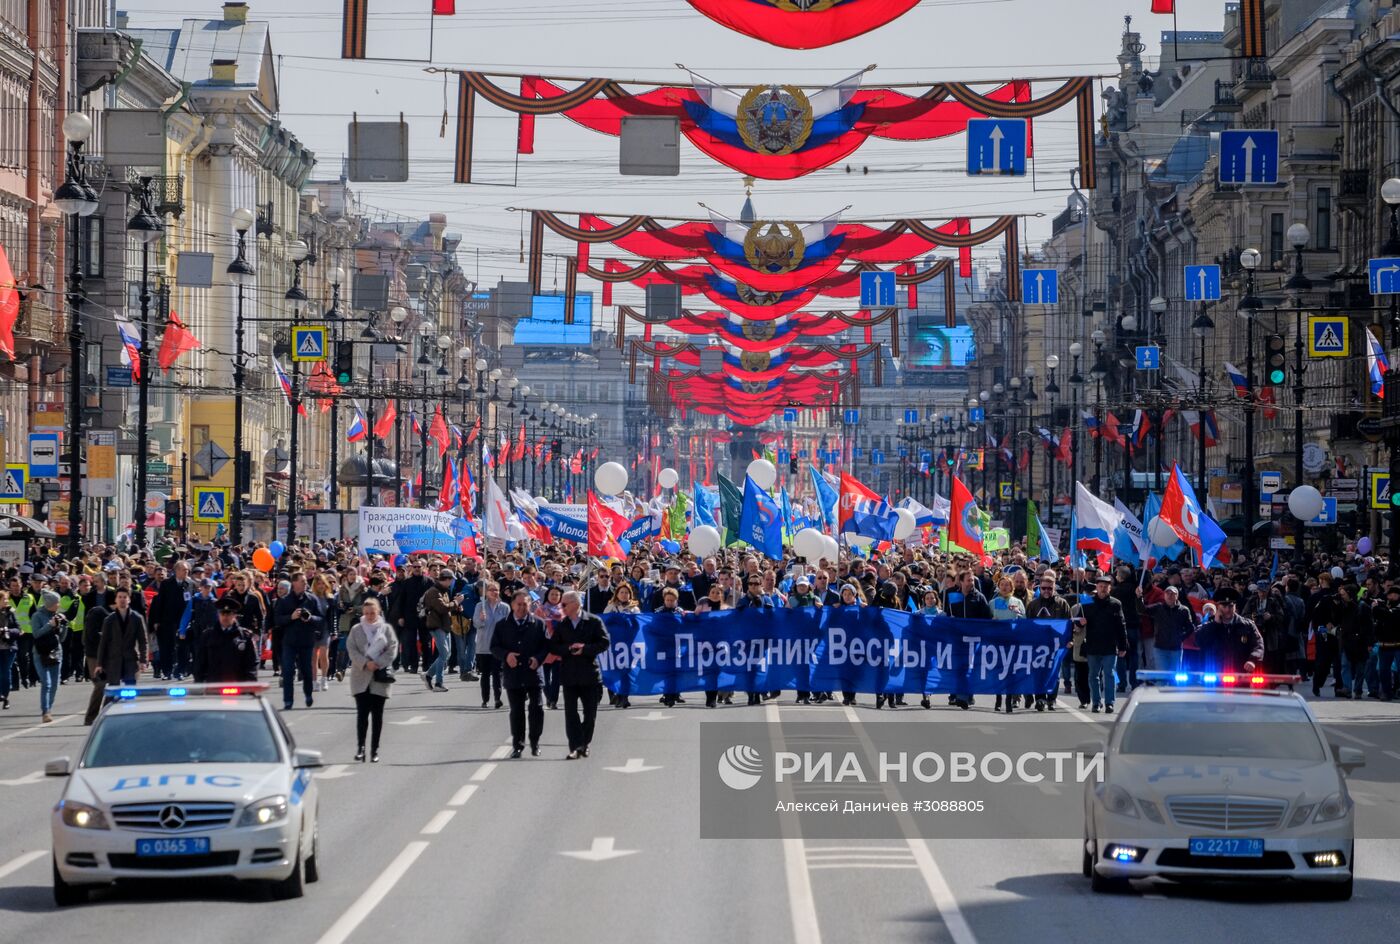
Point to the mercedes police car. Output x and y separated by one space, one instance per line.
186 781
1219 776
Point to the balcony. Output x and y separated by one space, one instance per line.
1356 188
1254 74
1225 100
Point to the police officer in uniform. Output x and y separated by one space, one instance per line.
1231 641
227 652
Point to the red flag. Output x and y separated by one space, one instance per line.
1181 513
384 425
1111 433
604 526
1062 452
449 7
177 340
964 523
9 308
1163 6
437 431
475 431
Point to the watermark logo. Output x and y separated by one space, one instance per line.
741 767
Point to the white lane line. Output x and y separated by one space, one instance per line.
438 823
943 899
1353 738
461 797
862 865
19 862
801 902
355 915
38 727
482 772
900 854
1048 789
501 753
1392 755
34 776
818 850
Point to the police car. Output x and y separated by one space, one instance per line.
186 781
1220 776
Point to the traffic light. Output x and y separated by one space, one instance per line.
1275 373
792 466
344 361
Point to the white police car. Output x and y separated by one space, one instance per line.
1220 777
186 781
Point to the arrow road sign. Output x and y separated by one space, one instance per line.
634 765
601 851
877 289
1202 283
1040 286
851 417
1149 357
1328 514
996 147
911 416
1249 157
1385 276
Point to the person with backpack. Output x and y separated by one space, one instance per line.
50 629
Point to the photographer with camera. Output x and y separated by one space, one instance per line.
372 646
50 631
300 617
519 641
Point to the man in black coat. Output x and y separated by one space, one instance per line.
227 652
167 611
964 600
601 593
578 639
408 624
519 643
1230 641
1105 641
685 598
300 617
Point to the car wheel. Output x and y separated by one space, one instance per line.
291 886
1088 863
313 870
64 894
1108 886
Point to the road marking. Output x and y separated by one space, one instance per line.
372 896
833 856
31 777
1354 739
652 716
19 862
461 797
601 851
415 720
802 904
334 772
1048 789
52 724
1392 755
482 772
1363 798
818 850
861 865
500 753
634 765
438 823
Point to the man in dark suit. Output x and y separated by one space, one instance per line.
173 596
302 621
519 643
120 653
578 639
685 598
601 593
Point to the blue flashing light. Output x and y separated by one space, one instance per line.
126 693
1182 678
1123 854
1208 679
177 692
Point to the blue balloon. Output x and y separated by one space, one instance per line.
400 560
277 548
671 547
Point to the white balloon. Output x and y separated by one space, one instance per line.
904 527
610 478
858 540
667 478
1305 502
763 473
515 531
1161 533
809 543
832 552
704 540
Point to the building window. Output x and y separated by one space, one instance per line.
1275 238
91 234
1322 219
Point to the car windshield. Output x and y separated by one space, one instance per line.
1223 728
182 737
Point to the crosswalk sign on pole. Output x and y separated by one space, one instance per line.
12 488
309 344
211 505
1380 490
1328 336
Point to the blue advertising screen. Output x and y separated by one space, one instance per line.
935 346
546 322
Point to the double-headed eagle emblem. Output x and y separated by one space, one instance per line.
775 119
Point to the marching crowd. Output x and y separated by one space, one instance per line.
526 623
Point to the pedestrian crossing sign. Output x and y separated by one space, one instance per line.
1328 336
1380 490
12 488
211 505
308 344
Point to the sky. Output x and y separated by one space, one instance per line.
575 170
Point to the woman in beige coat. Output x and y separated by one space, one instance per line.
373 645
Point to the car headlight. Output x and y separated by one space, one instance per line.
1300 816
1334 807
82 816
1116 800
265 812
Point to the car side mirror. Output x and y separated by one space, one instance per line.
58 767
304 758
1350 758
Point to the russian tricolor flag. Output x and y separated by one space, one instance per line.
286 385
359 427
131 345
1237 379
1376 364
1091 423
1142 428
1095 522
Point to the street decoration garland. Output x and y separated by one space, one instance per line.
803 24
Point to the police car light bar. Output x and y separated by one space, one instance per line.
1220 679
211 689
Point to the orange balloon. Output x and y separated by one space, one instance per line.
263 560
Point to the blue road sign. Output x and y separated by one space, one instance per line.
1380 490
1329 336
851 417
1202 283
996 147
1040 286
1149 357
119 376
911 416
855 452
12 484
877 457
789 416
43 455
1249 157
211 504
976 415
1385 276
309 344
877 289
1270 482
903 452
1328 514
802 453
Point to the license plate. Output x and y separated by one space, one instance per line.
1228 846
184 845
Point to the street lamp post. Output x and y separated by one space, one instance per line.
1201 328
1158 307
1098 371
241 273
1297 284
146 227
334 317
1076 383
1031 399
1052 390
1390 193
297 251
75 198
1249 305
985 399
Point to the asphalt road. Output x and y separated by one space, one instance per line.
446 840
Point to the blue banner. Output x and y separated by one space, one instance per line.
821 649
563 527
